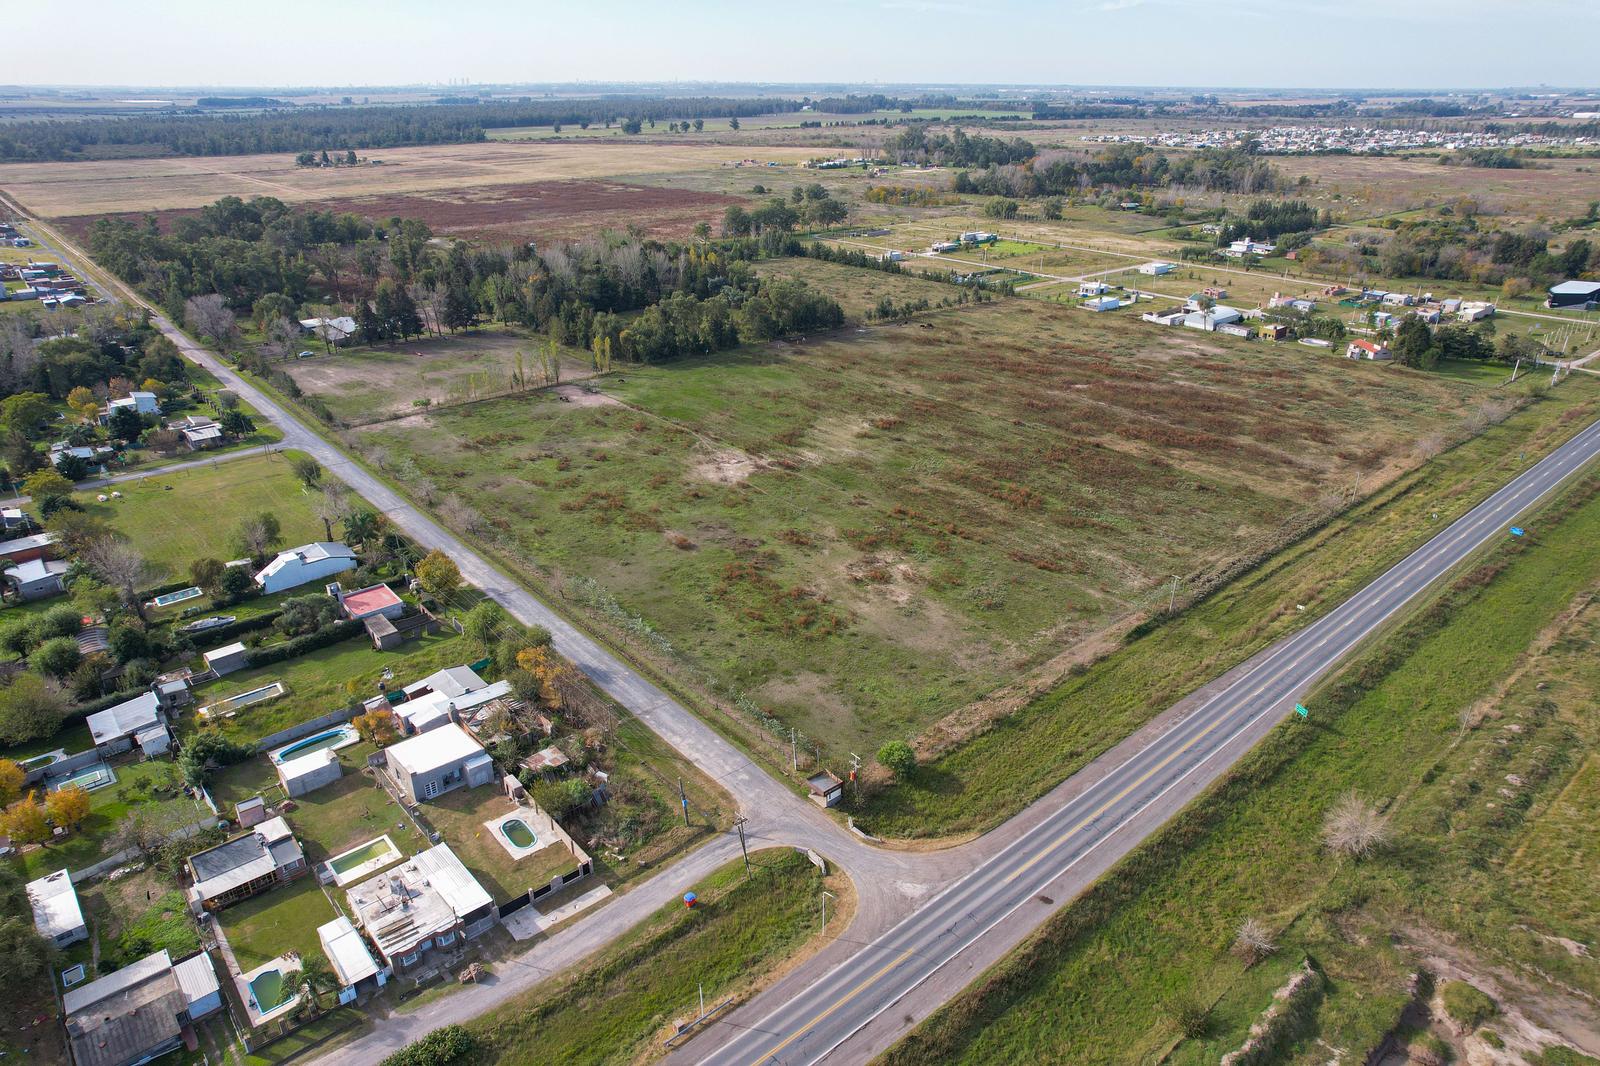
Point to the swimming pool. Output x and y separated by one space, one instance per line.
338 737
518 833
269 991
513 833
232 703
97 775
363 859
177 597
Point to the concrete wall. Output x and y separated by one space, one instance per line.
305 729
62 767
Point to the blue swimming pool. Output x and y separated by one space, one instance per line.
339 737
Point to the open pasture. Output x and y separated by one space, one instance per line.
1553 190
871 529
64 190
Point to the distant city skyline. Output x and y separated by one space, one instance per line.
1285 44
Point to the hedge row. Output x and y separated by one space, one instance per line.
293 649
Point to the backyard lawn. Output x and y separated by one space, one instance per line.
331 819
174 519
328 679
459 818
145 789
283 919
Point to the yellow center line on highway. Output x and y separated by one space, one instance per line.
841 1001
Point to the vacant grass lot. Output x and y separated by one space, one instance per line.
613 1008
1099 984
327 679
367 384
870 530
174 519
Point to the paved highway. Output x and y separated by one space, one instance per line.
925 923
1104 821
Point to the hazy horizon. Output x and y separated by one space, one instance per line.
1426 45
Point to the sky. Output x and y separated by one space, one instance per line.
1421 44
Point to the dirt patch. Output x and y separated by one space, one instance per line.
581 397
541 206
728 466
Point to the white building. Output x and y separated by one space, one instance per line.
333 330
352 963
441 760
1210 320
115 728
1240 249
309 562
1157 268
56 913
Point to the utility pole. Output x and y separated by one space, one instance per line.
739 824
855 770
683 799
1172 601
826 895
794 751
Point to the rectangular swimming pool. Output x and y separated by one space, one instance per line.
98 775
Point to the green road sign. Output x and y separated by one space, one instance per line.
1301 711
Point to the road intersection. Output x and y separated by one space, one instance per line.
926 922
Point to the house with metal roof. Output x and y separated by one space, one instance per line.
431 903
115 728
308 562
358 973
245 866
38 579
56 911
141 1011
1584 295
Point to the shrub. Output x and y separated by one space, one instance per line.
898 758
235 583
61 621
1428 1050
561 798
306 614
206 750
1192 1017
57 657
1355 828
1560 1055
1253 942
442 1047
1468 1006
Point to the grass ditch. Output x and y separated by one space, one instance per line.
1097 983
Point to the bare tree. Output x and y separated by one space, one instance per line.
1354 827
99 323
331 506
210 317
118 564
283 339
1254 941
257 534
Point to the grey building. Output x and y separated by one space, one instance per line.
441 760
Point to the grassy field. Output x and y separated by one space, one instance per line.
615 1009
327 679
174 519
1055 729
868 531
1101 982
459 818
368 384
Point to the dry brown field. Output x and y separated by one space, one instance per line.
1555 189
60 190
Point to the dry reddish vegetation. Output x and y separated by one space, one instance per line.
542 208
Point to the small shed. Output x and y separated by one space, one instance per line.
252 811
826 788
227 659
197 978
173 692
310 772
546 761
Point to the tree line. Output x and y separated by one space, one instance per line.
1122 166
